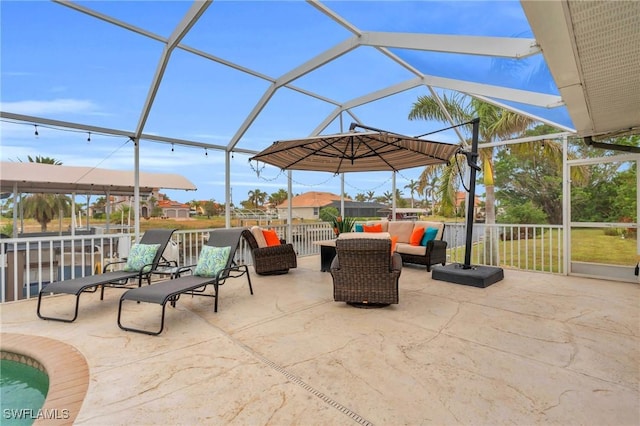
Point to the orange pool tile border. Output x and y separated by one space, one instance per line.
66 367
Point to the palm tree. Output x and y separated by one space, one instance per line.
279 197
400 201
427 185
386 198
257 197
42 160
45 207
371 195
195 204
412 186
152 201
495 123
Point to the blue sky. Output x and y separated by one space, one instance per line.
60 64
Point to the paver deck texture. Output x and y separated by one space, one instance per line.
534 348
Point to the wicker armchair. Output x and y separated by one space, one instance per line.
271 260
365 273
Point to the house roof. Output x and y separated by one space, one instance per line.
172 204
461 197
359 204
310 199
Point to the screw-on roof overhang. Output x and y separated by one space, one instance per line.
593 51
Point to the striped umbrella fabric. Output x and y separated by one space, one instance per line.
356 152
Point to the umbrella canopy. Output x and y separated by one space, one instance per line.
356 152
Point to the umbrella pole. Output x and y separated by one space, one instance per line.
467 274
471 160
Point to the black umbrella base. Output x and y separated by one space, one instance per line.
474 275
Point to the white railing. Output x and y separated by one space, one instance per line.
27 264
526 247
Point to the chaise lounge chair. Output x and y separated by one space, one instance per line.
214 266
137 267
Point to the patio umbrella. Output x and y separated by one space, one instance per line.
372 150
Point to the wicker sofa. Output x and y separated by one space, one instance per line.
365 273
269 260
435 251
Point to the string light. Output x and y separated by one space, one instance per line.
89 137
206 154
172 147
257 169
58 128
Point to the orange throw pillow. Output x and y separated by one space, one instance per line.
372 228
394 241
416 236
271 237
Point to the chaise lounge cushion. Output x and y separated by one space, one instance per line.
141 255
211 261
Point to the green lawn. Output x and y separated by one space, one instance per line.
592 245
588 245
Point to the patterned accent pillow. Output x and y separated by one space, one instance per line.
211 261
141 255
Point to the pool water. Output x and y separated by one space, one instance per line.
23 390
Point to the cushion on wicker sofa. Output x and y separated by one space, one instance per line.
259 236
431 253
403 229
384 223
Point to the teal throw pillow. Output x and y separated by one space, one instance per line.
429 234
141 255
359 228
211 261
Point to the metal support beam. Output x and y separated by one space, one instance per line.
502 47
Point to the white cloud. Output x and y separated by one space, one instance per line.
56 106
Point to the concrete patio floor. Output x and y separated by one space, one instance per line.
534 348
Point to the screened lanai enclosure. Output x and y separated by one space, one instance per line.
198 88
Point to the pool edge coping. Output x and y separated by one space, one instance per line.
66 367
